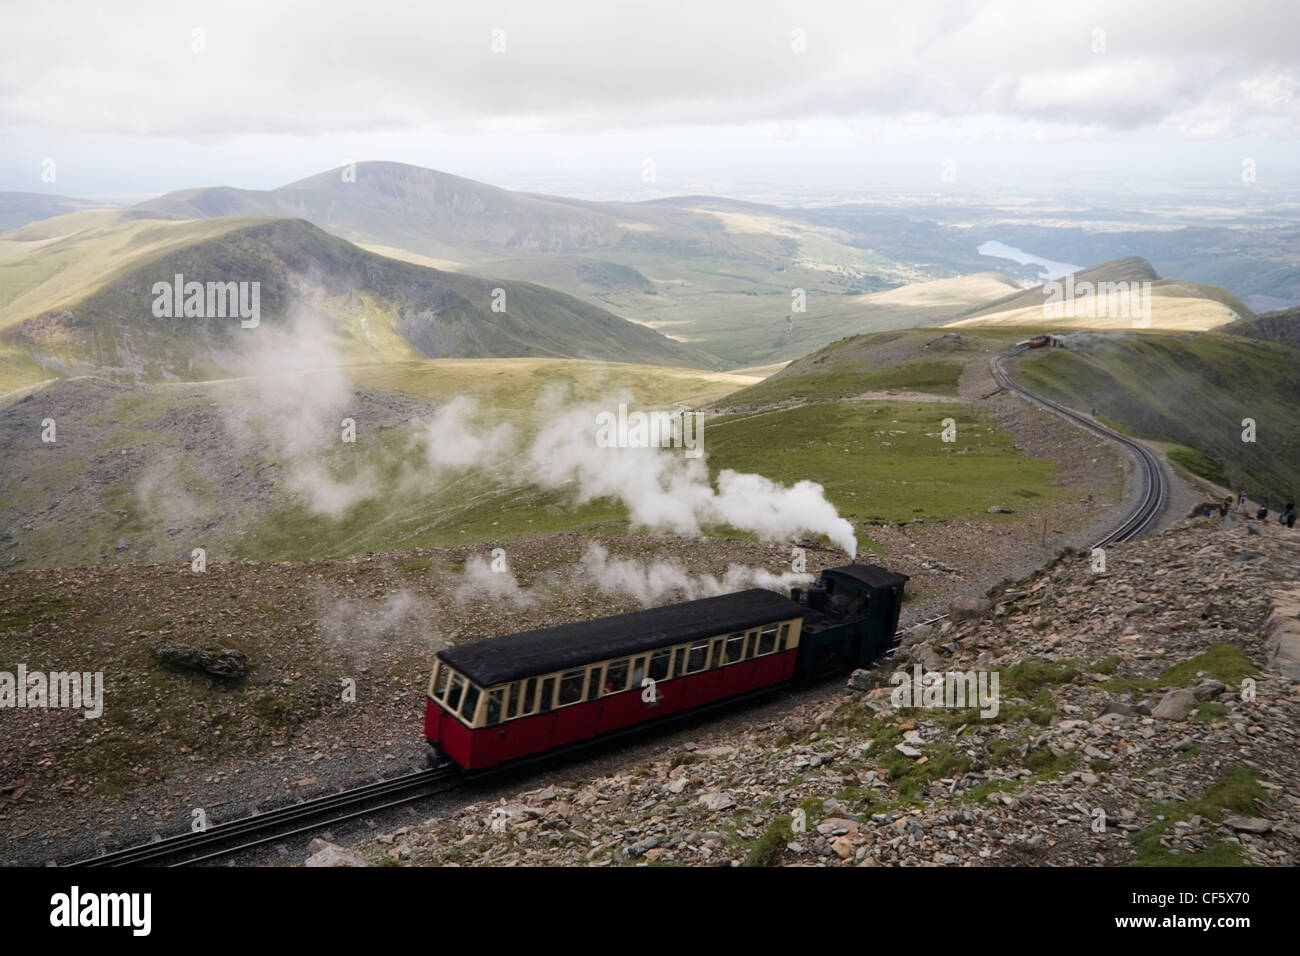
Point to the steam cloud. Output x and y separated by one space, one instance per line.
482 582
299 396
362 627
665 490
650 583
450 441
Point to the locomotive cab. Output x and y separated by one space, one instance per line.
850 616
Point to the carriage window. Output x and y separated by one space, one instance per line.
736 647
512 701
753 637
493 708
471 703
616 677
547 700
440 681
679 660
698 658
659 664
715 659
785 634
571 687
453 698
767 640
593 682
530 696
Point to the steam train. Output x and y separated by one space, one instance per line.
506 698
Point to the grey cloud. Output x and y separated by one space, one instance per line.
289 68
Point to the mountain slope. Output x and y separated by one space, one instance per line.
18 209
244 466
1191 389
1173 304
719 275
373 308
1282 326
423 210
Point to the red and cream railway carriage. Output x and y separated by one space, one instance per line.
503 698
495 700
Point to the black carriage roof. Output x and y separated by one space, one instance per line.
526 654
872 575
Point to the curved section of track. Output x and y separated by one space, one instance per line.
1155 490
235 836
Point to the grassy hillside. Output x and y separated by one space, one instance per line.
1174 304
83 304
1192 390
928 361
145 473
1282 326
60 262
882 461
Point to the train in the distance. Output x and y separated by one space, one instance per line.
506 698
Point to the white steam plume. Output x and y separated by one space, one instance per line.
299 396
363 627
482 582
663 489
649 583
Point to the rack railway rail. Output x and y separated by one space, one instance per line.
227 839
1155 490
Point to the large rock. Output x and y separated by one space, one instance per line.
860 679
219 661
1118 707
929 659
1282 635
717 801
916 634
966 608
1176 705
1249 824
324 853
1209 689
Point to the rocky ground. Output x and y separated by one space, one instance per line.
173 740
1138 720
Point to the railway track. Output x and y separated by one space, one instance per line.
1155 491
246 833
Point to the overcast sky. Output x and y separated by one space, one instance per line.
738 96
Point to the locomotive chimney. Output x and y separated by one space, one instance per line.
795 593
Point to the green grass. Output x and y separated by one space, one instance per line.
843 447
1224 662
1209 712
907 774
1238 792
936 377
1146 383
1029 677
780 832
43 609
1198 463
